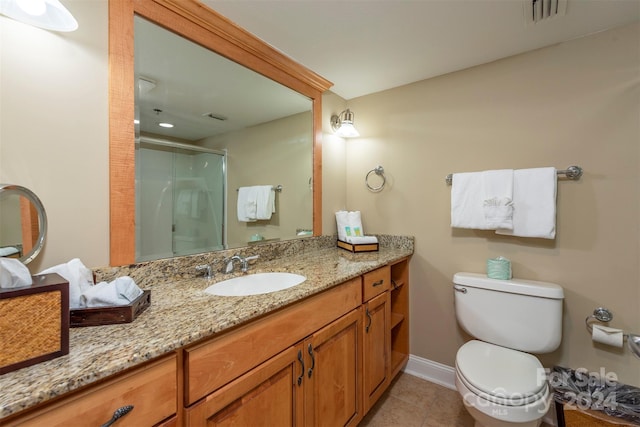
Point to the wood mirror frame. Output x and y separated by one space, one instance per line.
196 22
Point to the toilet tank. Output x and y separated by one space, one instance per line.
523 315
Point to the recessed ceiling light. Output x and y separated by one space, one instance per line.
165 125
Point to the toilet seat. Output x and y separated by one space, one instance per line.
501 375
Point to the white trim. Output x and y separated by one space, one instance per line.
431 371
446 375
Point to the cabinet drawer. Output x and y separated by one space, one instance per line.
376 282
151 389
214 363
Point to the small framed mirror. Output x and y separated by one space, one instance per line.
23 223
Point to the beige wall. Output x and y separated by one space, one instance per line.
573 103
54 129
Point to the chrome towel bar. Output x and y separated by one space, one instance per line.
572 172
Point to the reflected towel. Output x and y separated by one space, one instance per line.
247 206
265 201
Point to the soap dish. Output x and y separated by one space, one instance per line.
98 316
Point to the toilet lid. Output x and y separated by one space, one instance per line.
501 375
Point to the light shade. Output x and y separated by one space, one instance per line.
47 14
342 124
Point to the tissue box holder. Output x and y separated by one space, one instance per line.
98 316
34 322
365 247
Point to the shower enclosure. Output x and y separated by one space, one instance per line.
180 199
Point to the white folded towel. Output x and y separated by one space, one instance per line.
349 224
467 197
247 206
361 240
14 274
498 194
118 292
534 203
80 279
265 202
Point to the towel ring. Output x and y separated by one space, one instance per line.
378 170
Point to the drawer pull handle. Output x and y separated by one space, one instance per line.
313 360
378 283
366 329
301 360
118 413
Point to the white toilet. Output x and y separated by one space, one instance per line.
501 384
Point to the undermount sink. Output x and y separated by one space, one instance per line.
255 284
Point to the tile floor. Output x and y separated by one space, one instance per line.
413 402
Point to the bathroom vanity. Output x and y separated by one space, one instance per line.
320 353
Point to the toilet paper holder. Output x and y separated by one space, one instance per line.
602 314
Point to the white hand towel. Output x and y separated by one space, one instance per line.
118 292
14 274
467 197
265 201
80 279
341 224
534 203
247 206
354 220
498 194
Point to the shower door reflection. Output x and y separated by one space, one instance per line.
180 194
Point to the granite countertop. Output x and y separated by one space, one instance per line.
180 314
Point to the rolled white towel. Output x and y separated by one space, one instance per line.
120 291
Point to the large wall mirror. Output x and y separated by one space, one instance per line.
243 115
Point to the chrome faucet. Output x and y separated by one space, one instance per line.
244 263
208 273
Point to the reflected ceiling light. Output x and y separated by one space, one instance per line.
342 124
47 14
165 125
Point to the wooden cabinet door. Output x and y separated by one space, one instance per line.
269 395
333 380
376 348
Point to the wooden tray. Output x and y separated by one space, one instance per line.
110 315
366 247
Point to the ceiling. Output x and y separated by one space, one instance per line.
366 46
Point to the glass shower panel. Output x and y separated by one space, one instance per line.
198 209
180 202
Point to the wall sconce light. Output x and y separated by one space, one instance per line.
47 14
342 124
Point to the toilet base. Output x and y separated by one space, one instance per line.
483 420
492 415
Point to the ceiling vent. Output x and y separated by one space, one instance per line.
536 11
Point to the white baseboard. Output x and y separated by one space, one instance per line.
431 371
446 376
